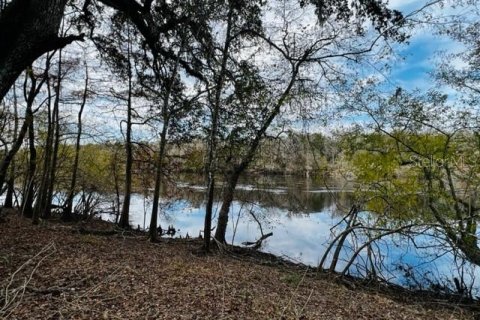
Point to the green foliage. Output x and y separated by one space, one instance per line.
194 160
391 175
95 167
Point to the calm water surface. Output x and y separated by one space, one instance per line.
301 213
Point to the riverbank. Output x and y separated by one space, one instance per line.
57 271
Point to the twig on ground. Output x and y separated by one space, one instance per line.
12 297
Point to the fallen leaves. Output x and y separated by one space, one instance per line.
109 277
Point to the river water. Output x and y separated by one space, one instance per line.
302 213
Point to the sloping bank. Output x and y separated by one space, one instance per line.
53 271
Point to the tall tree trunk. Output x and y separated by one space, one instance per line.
56 140
28 194
166 113
41 202
210 167
124 218
67 213
30 98
28 29
158 182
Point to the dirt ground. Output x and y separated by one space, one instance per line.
53 271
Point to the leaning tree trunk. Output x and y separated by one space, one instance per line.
27 126
29 98
7 160
247 159
227 200
28 29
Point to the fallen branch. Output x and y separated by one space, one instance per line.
94 232
12 297
257 244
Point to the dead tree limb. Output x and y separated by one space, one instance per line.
257 244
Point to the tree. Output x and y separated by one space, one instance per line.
124 217
30 93
215 101
251 100
67 213
28 29
170 84
45 190
158 23
11 181
421 162
29 188
459 70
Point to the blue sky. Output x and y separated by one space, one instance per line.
413 63
410 70
420 56
414 70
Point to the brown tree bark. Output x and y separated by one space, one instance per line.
227 199
166 114
30 98
124 217
28 195
210 166
4 165
56 140
41 199
232 178
10 190
153 234
67 212
11 181
28 29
